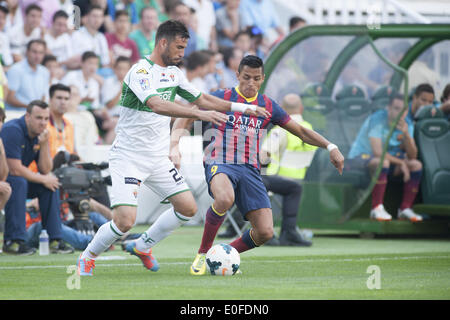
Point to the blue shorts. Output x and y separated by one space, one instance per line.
249 190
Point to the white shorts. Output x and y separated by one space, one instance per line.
159 174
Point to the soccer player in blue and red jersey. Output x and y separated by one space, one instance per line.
231 161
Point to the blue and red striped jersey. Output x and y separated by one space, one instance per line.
238 141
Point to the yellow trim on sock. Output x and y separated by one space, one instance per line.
250 234
217 212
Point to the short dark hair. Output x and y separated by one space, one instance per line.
122 59
294 20
31 42
424 87
121 13
446 93
58 87
197 59
170 29
60 14
240 33
88 55
38 103
396 96
47 58
252 62
94 7
32 7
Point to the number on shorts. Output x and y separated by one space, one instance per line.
175 175
213 170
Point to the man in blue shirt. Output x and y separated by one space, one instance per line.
400 159
28 80
26 139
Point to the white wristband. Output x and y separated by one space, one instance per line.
241 107
331 146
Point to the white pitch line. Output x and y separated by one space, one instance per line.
264 261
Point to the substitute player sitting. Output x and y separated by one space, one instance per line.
139 154
232 165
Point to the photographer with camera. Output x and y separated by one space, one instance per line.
26 140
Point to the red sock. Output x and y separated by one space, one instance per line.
410 190
213 221
244 243
379 188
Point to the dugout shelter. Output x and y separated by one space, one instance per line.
344 74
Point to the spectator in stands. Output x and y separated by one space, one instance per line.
206 22
26 139
262 14
85 128
231 57
28 80
110 95
158 5
181 12
89 38
128 5
214 78
56 72
144 36
15 16
85 6
445 101
243 41
400 158
119 43
423 96
59 42
20 35
258 46
229 22
84 79
49 7
197 67
5 188
6 58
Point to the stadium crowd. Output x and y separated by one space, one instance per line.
41 45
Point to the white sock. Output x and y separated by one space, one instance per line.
106 235
168 221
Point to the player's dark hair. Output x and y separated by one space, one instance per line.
88 55
60 14
251 61
171 29
58 87
424 87
36 103
32 7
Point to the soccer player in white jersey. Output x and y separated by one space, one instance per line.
140 152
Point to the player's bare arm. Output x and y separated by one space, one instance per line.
211 102
313 138
173 109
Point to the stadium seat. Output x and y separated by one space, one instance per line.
353 108
319 109
380 98
432 135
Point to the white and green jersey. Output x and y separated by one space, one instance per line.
140 131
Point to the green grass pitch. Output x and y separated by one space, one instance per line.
335 267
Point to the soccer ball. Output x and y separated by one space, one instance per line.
222 259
